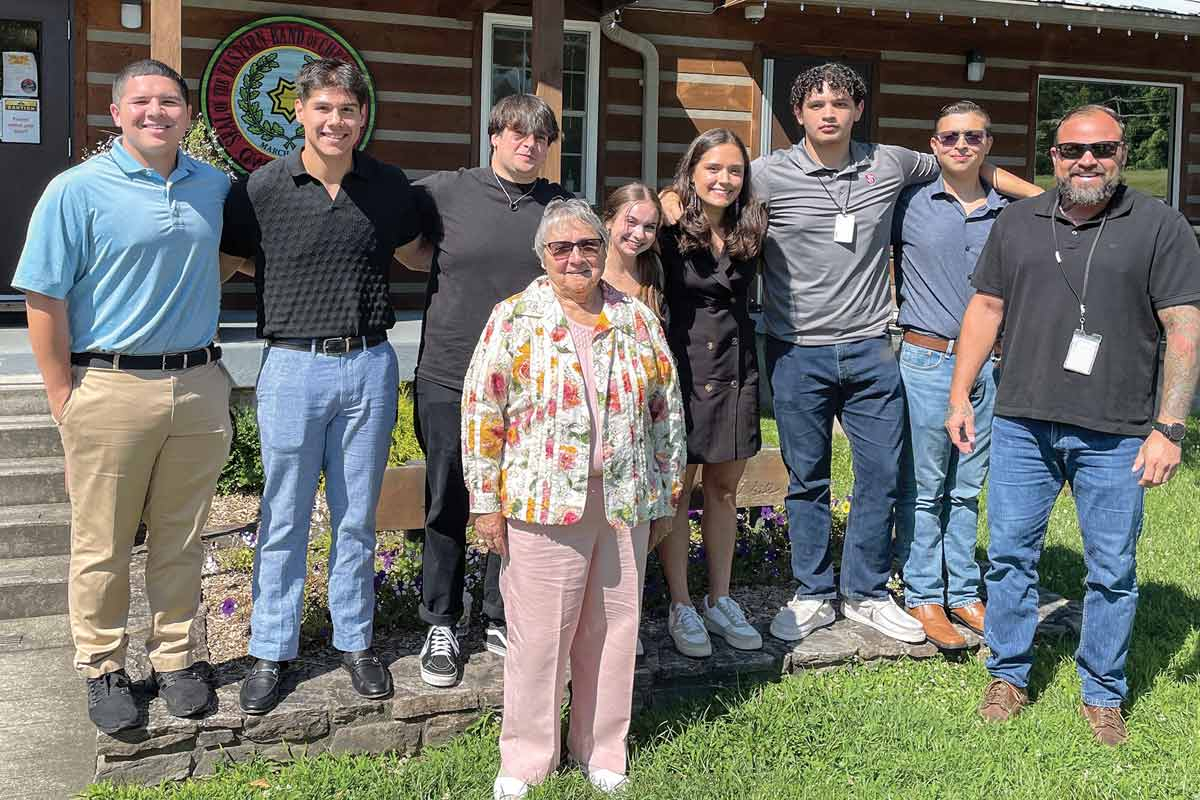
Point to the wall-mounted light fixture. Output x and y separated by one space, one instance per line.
755 12
131 14
976 64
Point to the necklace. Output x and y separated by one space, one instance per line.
512 204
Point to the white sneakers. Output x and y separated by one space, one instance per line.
687 631
607 781
886 617
726 620
800 617
509 788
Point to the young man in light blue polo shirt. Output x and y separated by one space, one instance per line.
120 269
938 231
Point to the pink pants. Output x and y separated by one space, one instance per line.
570 591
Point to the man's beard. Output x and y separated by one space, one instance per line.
1090 196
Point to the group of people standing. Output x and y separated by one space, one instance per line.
576 372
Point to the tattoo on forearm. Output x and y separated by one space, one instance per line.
959 408
1181 368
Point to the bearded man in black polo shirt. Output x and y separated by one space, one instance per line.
1086 280
483 222
321 225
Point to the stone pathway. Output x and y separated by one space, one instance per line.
320 713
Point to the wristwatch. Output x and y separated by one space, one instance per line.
1175 431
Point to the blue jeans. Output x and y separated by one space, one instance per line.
937 511
320 413
1031 460
859 383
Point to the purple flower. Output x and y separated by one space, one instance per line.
249 538
772 554
695 514
388 559
380 577
228 606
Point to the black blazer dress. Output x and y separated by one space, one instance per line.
711 335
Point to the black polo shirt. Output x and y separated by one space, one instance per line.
1147 259
484 255
322 266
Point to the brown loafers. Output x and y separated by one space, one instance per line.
937 626
1108 726
1002 701
971 616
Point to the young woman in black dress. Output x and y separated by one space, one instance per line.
710 257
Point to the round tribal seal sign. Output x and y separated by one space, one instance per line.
248 93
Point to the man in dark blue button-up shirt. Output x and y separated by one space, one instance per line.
938 230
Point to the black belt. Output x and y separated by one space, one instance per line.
167 362
333 346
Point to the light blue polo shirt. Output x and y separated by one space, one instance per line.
134 256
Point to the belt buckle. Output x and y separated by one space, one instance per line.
342 349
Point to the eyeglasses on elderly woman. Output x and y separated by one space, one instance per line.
588 248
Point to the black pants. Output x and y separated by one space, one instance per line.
438 416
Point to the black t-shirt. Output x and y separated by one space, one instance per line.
322 267
484 255
1147 259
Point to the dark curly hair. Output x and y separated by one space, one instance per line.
746 219
838 77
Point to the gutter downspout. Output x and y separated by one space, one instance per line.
650 78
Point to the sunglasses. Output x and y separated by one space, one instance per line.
1075 150
972 138
588 248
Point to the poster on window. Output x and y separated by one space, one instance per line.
20 74
20 121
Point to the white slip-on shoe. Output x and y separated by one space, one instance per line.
607 781
687 631
507 788
800 617
726 620
886 617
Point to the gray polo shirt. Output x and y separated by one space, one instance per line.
937 244
817 291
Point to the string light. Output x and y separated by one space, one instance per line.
1156 35
941 17
907 14
837 10
1129 33
972 20
1068 26
1037 25
1097 30
872 12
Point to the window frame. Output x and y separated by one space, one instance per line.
591 115
1176 169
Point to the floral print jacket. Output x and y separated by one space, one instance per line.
525 422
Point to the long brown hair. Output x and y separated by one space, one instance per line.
649 270
745 218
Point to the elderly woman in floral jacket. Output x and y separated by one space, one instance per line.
573 452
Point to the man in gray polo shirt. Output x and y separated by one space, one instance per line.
828 303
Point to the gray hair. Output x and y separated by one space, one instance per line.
559 211
139 69
525 114
1091 108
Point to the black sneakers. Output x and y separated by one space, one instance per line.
440 657
497 638
110 702
185 691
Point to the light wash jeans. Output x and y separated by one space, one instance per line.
1031 460
937 510
331 413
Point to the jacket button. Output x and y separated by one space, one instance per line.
733 384
711 345
708 387
735 340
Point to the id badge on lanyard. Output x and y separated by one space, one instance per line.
1084 347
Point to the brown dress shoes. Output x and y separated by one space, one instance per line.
1108 726
971 616
937 626
1002 701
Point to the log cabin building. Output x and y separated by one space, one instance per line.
636 81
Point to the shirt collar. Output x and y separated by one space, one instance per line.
995 201
860 158
184 164
362 166
1119 205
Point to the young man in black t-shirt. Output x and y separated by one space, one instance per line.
1086 280
483 221
322 225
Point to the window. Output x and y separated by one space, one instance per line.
507 69
1153 114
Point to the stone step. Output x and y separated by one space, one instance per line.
33 587
29 436
23 398
41 530
26 481
35 633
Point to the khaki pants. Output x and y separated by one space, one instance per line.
140 445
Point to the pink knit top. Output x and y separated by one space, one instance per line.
582 336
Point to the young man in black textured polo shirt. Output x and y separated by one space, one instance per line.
321 225
484 220
1085 283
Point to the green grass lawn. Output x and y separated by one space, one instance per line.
900 730
1151 181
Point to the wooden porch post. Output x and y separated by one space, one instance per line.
166 32
547 70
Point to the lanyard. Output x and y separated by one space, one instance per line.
1081 297
849 185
